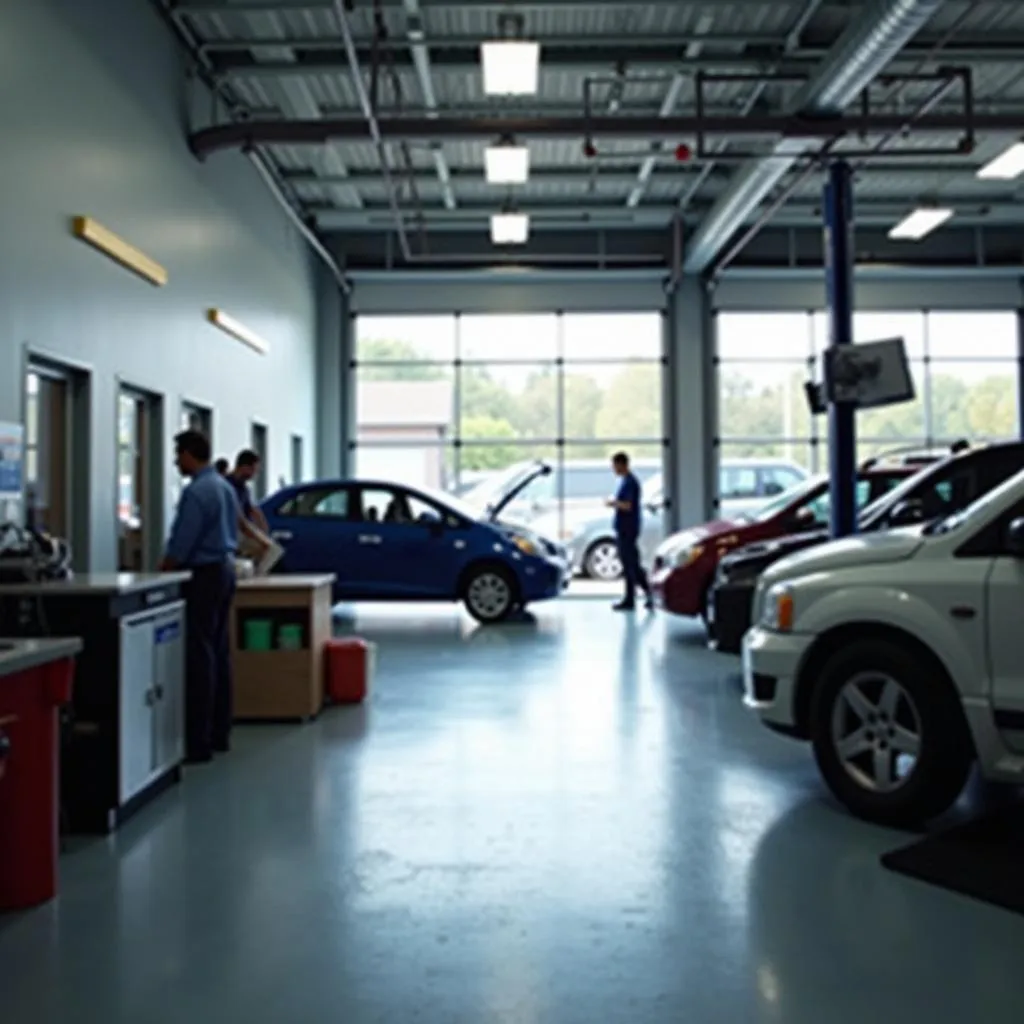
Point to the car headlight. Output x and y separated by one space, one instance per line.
688 556
525 545
777 614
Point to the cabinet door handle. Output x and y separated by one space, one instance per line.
158 692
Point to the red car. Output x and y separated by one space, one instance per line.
685 564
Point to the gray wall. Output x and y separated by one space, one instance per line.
91 109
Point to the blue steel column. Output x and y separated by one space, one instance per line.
839 258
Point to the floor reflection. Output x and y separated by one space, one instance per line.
566 819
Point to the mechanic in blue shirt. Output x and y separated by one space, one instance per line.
203 540
247 465
626 503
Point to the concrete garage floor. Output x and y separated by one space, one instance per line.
573 822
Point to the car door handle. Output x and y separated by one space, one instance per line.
369 538
281 534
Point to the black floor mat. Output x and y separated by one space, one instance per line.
983 858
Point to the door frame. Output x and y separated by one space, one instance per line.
262 487
154 487
78 377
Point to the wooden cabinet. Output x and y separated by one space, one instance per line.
282 676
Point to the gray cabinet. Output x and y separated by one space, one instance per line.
152 697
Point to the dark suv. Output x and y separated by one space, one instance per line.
938 491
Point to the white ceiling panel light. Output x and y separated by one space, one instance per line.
511 64
507 164
923 221
510 228
1005 167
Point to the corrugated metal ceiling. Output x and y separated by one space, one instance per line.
998 83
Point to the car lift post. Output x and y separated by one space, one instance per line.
839 259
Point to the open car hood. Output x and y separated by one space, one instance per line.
514 487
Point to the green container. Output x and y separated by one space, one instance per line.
289 638
259 635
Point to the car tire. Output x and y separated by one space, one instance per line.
490 594
601 562
890 739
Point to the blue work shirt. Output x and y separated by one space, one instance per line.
243 495
627 524
205 528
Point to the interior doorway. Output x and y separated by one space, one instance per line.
297 459
196 417
57 454
259 444
139 479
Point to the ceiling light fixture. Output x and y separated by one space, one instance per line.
923 221
510 228
507 164
511 64
1005 167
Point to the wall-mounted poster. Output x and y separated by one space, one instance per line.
12 460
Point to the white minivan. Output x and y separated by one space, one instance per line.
900 656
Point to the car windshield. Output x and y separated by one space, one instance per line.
978 507
449 501
784 500
888 501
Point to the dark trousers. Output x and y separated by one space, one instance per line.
208 682
632 571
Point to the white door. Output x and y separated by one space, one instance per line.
169 687
1005 617
137 698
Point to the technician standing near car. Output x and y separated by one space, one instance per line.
203 540
627 533
247 465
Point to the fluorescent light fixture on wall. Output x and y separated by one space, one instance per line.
229 325
507 164
511 67
923 221
1005 167
105 241
510 228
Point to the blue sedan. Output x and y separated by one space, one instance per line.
389 542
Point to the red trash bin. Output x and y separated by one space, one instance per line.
349 667
29 782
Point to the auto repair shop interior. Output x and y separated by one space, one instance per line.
434 262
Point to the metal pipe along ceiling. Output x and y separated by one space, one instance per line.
863 51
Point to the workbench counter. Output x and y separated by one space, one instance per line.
97 583
279 628
17 655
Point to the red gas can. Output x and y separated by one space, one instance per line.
29 782
349 669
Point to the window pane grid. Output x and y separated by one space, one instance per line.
966 367
566 389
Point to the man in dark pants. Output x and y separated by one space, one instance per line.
626 503
203 540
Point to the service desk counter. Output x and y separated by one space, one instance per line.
279 629
124 742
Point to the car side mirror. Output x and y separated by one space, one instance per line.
1015 538
801 519
772 489
907 513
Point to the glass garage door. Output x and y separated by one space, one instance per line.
966 370
467 404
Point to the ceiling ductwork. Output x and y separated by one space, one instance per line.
861 54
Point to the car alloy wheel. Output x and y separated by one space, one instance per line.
876 732
603 562
489 596
888 731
